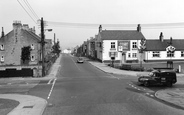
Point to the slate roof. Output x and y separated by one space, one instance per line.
32 34
157 45
29 32
121 35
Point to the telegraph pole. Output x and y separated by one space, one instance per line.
43 47
54 38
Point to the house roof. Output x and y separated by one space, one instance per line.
157 45
121 35
32 34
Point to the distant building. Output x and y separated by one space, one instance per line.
67 51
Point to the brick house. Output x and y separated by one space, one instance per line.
11 47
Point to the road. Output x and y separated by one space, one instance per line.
82 89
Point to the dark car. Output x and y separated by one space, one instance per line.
159 77
80 60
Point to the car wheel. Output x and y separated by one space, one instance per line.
146 84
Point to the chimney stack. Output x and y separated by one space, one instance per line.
2 34
139 28
33 30
25 27
100 28
17 25
161 37
54 38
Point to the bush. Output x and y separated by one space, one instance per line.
125 67
135 68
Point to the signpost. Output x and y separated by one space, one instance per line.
113 54
170 49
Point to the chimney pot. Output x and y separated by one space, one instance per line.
100 28
161 37
139 28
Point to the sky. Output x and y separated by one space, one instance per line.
59 12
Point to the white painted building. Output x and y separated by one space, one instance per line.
121 44
67 51
158 50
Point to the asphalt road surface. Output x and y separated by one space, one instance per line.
82 89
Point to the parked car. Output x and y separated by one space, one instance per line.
80 60
158 77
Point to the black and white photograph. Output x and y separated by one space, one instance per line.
91 57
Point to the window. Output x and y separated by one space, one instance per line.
32 46
134 45
182 53
156 54
32 57
2 58
170 54
129 55
134 55
112 44
2 47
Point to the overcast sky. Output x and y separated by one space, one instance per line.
94 12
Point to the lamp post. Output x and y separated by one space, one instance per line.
43 46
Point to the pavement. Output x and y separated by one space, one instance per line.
174 95
31 105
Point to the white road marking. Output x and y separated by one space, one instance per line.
51 88
49 81
152 95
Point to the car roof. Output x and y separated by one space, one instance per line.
164 71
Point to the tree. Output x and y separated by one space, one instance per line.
25 54
56 48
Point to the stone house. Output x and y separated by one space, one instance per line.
11 46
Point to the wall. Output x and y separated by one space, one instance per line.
13 42
163 56
107 47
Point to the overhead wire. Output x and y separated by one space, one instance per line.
31 9
27 12
90 25
93 25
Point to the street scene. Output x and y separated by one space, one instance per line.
68 57
91 88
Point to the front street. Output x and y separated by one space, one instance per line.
82 89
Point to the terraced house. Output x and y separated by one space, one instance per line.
164 49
